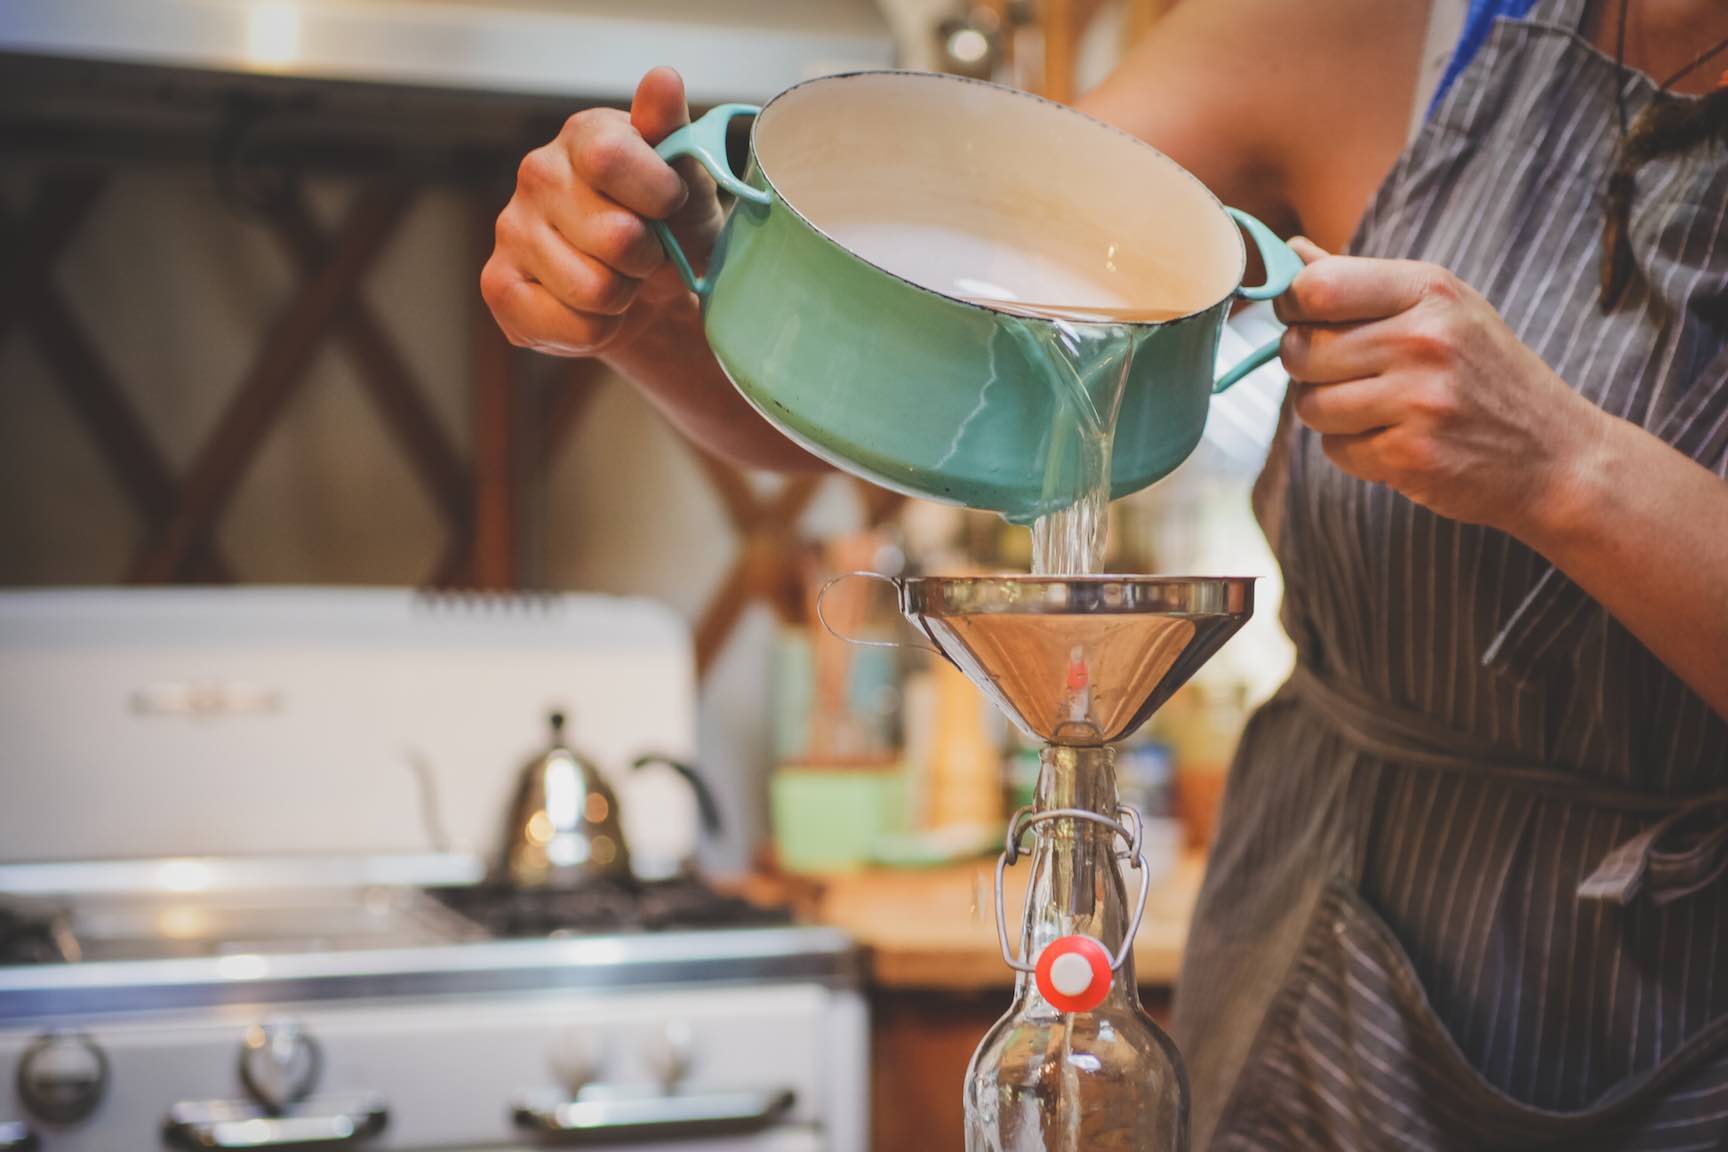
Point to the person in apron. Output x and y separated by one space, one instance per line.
1467 890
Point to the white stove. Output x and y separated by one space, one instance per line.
354 983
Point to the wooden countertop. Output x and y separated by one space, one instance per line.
935 929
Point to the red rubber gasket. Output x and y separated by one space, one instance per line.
1096 958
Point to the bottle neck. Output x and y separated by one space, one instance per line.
1075 886
1076 778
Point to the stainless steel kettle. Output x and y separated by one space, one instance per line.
563 830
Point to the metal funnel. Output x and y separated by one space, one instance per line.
1078 660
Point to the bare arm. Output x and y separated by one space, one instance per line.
1414 381
663 349
673 366
1644 530
576 271
1291 111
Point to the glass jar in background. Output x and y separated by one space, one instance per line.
839 782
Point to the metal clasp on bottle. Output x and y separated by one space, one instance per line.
1128 827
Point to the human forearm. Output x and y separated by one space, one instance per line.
1644 530
669 360
577 271
1414 381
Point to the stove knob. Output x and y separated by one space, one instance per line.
62 1077
576 1059
671 1054
279 1064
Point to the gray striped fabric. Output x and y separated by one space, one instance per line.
1468 890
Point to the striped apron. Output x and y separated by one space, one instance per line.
1468 891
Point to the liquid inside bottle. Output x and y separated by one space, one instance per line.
1104 1080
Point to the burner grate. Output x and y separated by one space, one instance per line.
609 906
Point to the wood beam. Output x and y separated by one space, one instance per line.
274 376
1006 30
395 395
30 249
768 562
86 382
1061 45
879 504
492 397
29 294
103 408
567 404
737 497
384 373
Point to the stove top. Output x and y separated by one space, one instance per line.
94 927
185 935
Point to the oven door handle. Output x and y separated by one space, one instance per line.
222 1124
16 1137
602 1119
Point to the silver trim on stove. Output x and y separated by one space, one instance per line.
219 874
593 963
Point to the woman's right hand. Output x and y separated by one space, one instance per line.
576 270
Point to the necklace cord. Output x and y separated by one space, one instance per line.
1620 65
1662 126
1680 74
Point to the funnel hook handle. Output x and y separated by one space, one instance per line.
822 615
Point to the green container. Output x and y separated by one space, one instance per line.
829 819
875 205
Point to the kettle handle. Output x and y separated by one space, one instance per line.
705 803
1282 265
706 140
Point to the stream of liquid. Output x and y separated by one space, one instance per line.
1086 355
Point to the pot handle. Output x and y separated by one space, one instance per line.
1282 264
705 140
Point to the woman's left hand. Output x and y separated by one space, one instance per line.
1414 381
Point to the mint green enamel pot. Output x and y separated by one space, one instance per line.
875 206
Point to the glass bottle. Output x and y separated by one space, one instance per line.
1104 1078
